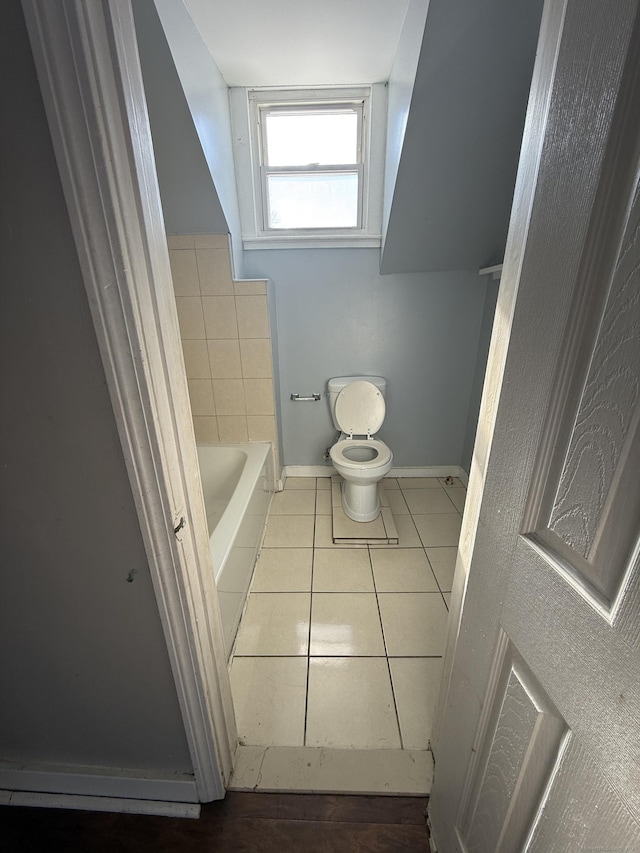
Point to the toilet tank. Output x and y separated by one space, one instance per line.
336 385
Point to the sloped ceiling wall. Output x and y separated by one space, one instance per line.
452 196
457 95
189 198
207 97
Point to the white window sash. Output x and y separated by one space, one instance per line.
246 104
266 171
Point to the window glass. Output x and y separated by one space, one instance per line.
317 200
325 139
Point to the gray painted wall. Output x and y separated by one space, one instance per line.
189 200
401 80
332 311
454 187
208 99
336 315
83 663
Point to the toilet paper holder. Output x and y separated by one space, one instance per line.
310 398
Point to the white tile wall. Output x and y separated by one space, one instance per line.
224 326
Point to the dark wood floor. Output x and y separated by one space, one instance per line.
249 822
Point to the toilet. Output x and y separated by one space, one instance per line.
362 460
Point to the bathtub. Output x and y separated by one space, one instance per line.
237 483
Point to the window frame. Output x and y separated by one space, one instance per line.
246 107
263 111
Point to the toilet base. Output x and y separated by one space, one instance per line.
360 502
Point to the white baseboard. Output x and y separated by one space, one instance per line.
427 471
464 477
99 804
100 784
424 471
308 471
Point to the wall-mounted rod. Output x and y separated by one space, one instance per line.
494 271
312 398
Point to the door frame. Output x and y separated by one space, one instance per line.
86 58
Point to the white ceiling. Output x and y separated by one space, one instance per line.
300 42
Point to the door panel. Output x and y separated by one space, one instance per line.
585 501
520 738
594 822
537 742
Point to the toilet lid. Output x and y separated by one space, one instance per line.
360 408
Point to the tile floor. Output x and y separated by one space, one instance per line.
341 646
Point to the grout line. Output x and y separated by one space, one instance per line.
395 704
432 572
345 657
451 502
313 561
281 592
344 592
386 652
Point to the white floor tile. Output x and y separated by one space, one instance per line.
300 483
350 704
402 570
353 741
323 502
289 531
416 682
283 570
324 534
458 497
346 528
346 570
423 501
407 533
275 624
443 563
397 502
418 483
414 624
269 696
314 769
438 529
345 623
295 502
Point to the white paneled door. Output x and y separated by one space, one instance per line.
537 745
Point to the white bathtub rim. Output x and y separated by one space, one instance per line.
226 530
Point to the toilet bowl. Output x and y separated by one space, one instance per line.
362 460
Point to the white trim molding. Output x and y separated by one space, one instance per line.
98 782
424 471
427 471
87 62
80 802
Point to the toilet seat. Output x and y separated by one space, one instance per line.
360 408
367 446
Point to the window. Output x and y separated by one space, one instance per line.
310 166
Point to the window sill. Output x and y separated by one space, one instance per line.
304 241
